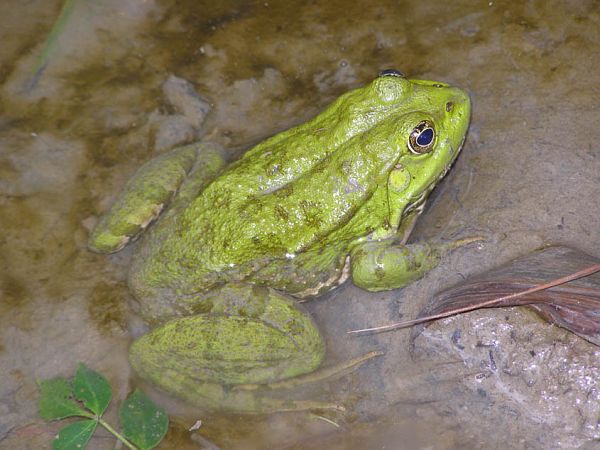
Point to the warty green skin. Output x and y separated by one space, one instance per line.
297 214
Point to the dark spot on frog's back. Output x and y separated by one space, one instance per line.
311 212
252 207
346 167
281 213
284 192
270 241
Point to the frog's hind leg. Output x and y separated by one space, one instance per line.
243 341
188 169
255 398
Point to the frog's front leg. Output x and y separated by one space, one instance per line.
385 264
150 190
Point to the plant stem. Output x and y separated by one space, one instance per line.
88 415
117 434
51 42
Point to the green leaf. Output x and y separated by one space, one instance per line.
75 436
92 389
143 422
56 400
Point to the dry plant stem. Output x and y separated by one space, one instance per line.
325 419
394 326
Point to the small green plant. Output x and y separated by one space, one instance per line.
144 423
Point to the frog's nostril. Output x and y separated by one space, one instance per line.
449 106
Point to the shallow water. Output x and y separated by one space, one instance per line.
528 176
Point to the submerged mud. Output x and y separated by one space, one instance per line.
527 177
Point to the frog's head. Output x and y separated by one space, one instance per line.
428 121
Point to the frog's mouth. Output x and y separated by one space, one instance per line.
419 202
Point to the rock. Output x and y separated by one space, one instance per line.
171 131
182 96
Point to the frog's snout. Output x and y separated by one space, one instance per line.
458 110
458 101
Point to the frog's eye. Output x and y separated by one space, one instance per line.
391 73
422 138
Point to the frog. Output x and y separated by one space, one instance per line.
227 249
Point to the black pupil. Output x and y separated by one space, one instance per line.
425 137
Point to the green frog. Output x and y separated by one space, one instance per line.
216 275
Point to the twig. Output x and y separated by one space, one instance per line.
394 326
325 419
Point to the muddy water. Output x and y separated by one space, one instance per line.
528 176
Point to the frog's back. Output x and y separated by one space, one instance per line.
263 207
284 197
